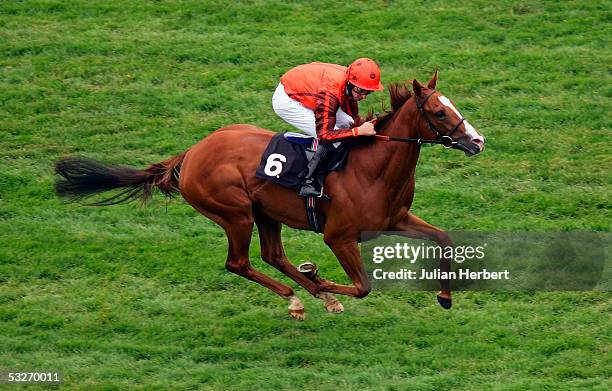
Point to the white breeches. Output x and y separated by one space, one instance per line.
302 117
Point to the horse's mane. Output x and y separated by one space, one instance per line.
399 94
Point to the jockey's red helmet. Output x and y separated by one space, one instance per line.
365 74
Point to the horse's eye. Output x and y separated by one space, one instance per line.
440 114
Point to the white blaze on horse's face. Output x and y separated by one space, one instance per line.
477 138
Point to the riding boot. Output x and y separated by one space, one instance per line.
308 185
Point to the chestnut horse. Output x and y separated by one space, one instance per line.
374 191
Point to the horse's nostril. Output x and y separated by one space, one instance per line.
479 141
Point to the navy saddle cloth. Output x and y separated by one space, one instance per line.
285 159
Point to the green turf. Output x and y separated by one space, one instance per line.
138 298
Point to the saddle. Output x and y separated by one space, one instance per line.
285 161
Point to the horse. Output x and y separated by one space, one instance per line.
374 191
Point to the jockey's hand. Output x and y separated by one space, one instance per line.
366 129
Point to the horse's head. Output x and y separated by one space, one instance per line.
444 120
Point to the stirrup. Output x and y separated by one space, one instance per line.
312 192
323 196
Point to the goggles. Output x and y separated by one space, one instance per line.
361 91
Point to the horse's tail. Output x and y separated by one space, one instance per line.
81 177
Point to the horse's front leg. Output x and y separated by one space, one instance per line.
273 253
413 227
349 257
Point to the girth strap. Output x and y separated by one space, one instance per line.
311 212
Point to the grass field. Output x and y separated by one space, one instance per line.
138 298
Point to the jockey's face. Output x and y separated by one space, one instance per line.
359 93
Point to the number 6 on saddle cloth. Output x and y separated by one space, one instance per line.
287 155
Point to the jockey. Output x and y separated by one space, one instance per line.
320 99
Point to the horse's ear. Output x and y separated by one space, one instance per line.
417 88
433 81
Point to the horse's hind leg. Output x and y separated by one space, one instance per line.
272 252
239 239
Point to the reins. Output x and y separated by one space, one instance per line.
445 140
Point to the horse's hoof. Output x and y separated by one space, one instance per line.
445 302
334 307
309 270
298 314
331 304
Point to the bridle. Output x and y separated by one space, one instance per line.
445 140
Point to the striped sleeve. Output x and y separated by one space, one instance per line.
351 108
326 106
